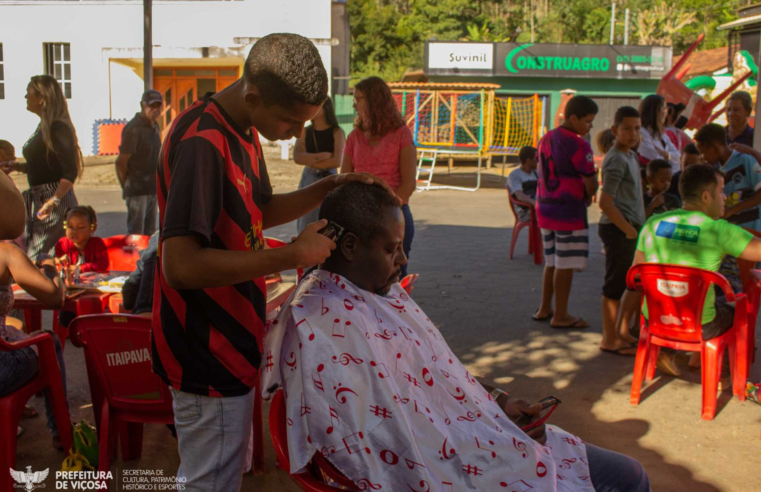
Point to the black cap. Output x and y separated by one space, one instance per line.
152 97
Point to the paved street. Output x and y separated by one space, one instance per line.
482 302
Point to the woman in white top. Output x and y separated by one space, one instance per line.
655 144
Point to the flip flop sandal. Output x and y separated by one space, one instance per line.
579 323
543 318
620 351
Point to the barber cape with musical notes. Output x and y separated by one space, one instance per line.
371 384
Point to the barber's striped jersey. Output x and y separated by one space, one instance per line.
212 181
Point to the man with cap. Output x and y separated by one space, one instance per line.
137 163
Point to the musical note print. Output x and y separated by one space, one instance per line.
382 371
318 382
305 410
470 378
398 305
446 453
346 359
517 486
339 390
325 310
386 335
380 321
291 363
365 484
459 396
469 417
480 445
424 484
333 415
412 464
353 444
521 447
309 327
427 377
348 305
446 416
541 470
566 464
399 399
404 332
339 330
419 406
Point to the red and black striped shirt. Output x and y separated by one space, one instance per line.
212 181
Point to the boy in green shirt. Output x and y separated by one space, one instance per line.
696 236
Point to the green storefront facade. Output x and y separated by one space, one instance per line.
614 75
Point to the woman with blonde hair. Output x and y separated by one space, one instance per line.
53 164
381 144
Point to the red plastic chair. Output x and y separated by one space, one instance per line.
124 251
273 243
535 235
751 282
308 480
675 296
48 377
126 391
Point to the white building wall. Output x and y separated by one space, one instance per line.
97 30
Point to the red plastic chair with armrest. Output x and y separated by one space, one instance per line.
675 296
309 481
48 377
124 251
751 281
535 235
126 392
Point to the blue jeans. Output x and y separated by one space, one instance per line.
213 435
409 233
142 214
310 176
615 472
19 367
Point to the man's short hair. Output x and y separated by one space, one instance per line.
697 179
624 112
711 133
744 98
287 69
580 107
526 153
691 149
357 208
656 165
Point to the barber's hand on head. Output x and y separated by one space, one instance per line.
366 178
311 248
515 408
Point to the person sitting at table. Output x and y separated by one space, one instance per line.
80 248
137 291
371 384
18 367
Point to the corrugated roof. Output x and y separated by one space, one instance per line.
753 19
443 85
705 62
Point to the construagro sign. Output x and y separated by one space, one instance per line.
582 60
550 60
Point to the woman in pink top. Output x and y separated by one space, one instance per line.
381 144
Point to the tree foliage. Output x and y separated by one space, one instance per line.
387 36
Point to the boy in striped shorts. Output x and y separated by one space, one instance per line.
567 183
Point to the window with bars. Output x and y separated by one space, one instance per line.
2 73
57 60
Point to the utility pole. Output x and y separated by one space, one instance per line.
612 21
626 27
148 44
531 13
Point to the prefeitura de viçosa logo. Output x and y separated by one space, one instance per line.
29 480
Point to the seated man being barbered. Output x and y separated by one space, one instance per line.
371 384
